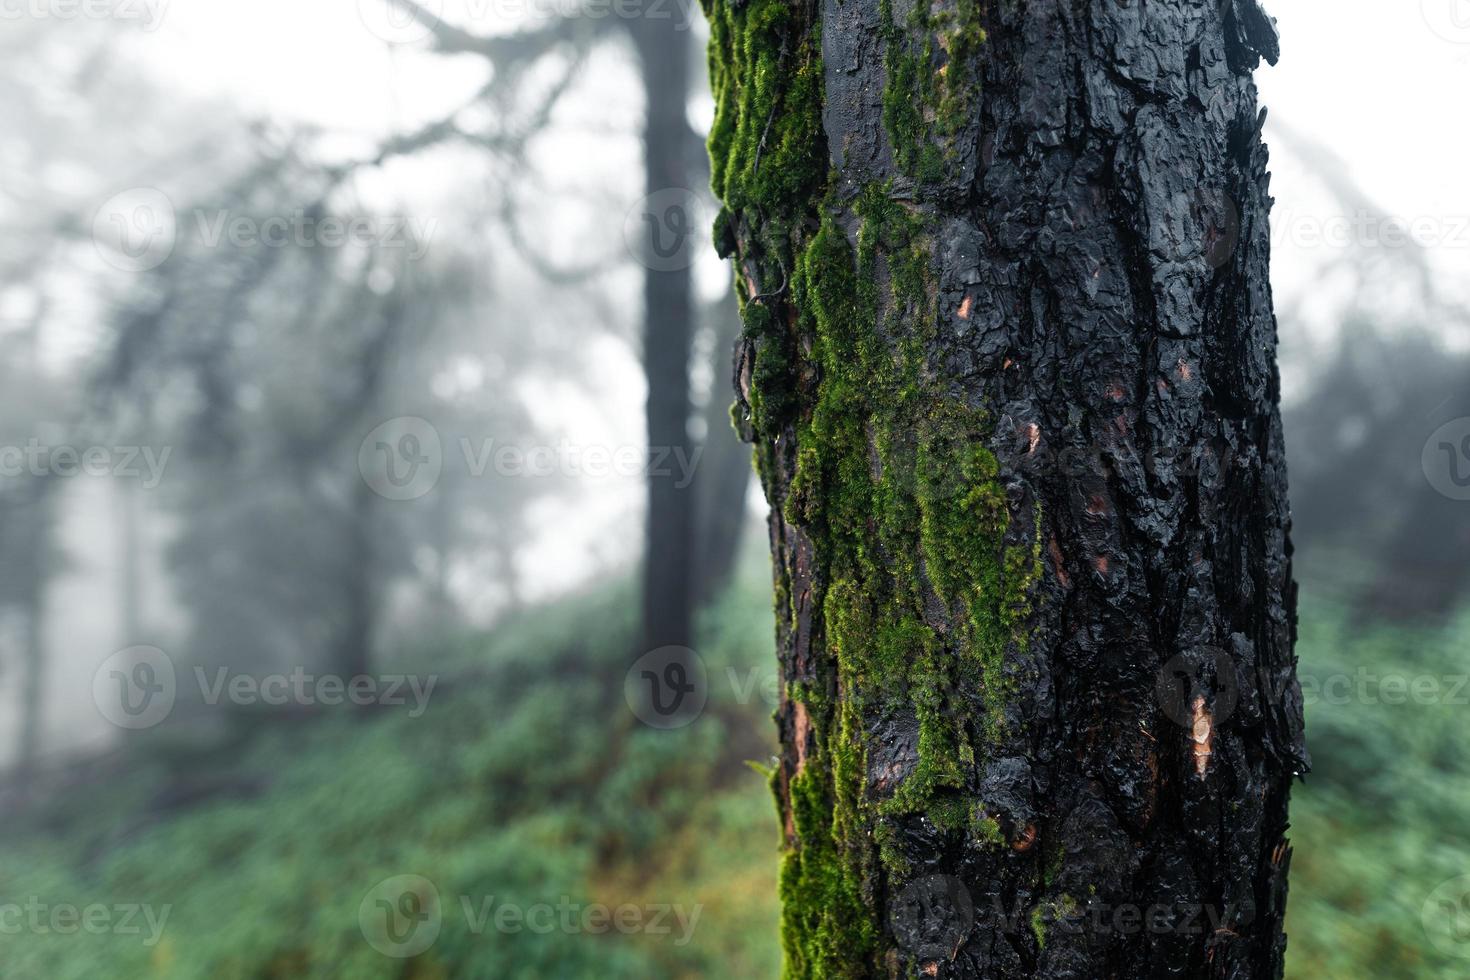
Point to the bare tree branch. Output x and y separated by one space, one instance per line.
504 50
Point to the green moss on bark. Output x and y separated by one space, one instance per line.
917 595
896 487
932 88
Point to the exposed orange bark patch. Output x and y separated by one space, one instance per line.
1026 840
930 969
1032 432
801 722
1057 563
1185 371
888 777
964 311
1101 564
1202 731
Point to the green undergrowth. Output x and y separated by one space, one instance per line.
526 782
1384 819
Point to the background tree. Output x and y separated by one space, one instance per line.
1009 369
690 537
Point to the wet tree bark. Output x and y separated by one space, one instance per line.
1009 369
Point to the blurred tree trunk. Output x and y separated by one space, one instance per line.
1009 366
29 544
723 476
353 657
668 327
130 593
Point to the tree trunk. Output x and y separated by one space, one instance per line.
1009 367
664 52
129 502
32 568
354 641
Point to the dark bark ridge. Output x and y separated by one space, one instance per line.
1009 369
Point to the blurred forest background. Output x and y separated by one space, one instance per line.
345 341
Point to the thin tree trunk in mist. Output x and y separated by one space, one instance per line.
353 654
664 52
724 471
34 524
130 561
446 510
32 689
31 526
1009 368
355 637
